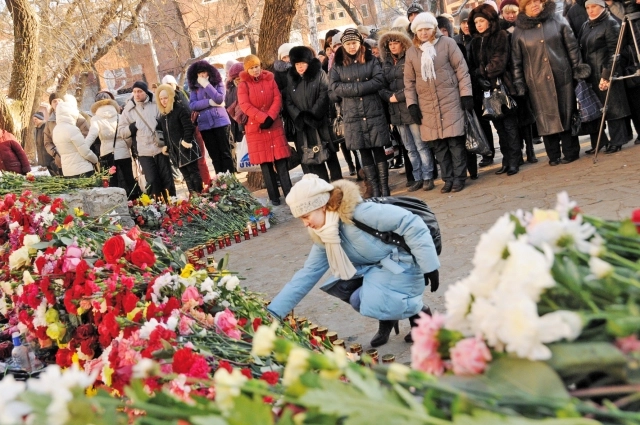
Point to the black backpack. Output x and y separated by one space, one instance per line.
416 206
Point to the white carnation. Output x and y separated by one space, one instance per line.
600 268
526 270
457 301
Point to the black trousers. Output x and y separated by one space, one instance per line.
633 96
347 157
157 173
270 178
486 128
509 140
570 148
408 168
123 176
81 176
216 140
372 156
452 156
192 178
472 164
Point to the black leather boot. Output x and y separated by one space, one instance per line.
528 141
384 330
412 321
371 174
383 178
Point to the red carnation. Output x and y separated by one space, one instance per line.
113 249
246 372
223 364
129 302
64 357
256 323
142 255
635 218
270 377
182 360
44 199
84 331
68 219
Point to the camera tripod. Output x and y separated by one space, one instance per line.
626 23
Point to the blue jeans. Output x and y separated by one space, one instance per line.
419 152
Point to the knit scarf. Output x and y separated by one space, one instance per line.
427 68
329 234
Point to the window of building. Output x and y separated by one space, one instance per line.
319 19
136 69
227 28
332 16
213 32
318 11
330 6
202 34
230 40
240 37
204 44
340 15
365 11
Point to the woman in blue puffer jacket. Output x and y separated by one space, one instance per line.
378 280
207 98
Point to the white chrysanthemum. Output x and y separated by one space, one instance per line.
11 410
148 327
39 318
160 282
564 205
526 270
232 283
457 301
600 268
559 325
493 243
485 319
19 258
519 329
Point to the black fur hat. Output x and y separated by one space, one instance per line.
300 54
202 66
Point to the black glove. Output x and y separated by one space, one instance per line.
467 103
432 278
521 88
414 111
267 123
133 129
484 84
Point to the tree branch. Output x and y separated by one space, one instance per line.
346 4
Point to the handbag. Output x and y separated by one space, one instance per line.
187 156
316 154
589 105
294 158
158 135
476 140
343 289
493 105
337 126
576 123
107 161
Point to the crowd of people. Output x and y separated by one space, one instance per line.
406 90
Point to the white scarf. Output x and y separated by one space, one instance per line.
426 63
329 234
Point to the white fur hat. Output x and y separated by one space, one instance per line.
308 195
400 22
336 39
423 20
169 79
492 4
284 50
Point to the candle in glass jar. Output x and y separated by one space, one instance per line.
313 329
332 336
254 230
105 182
388 358
211 246
263 227
373 353
322 332
246 235
220 242
339 343
227 239
356 348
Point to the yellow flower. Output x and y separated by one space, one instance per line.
26 278
187 271
107 372
132 314
78 212
296 365
56 330
75 359
91 391
145 200
19 258
228 386
58 229
51 316
263 340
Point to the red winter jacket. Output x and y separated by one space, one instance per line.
12 156
260 99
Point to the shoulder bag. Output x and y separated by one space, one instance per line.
108 160
337 126
493 105
316 154
158 135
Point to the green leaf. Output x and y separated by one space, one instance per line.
483 417
207 420
66 240
250 411
40 245
571 359
623 326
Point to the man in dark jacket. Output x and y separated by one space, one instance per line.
43 157
307 103
412 12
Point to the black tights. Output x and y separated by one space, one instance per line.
372 156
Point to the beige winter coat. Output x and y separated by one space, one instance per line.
103 125
146 122
439 99
76 155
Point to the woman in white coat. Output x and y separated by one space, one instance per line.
114 150
76 156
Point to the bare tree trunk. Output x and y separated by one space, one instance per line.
249 32
24 72
346 4
277 17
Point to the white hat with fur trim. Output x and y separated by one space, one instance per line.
424 20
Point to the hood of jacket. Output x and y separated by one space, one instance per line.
488 11
339 55
67 110
387 36
105 108
526 22
171 94
264 75
281 66
345 197
315 66
202 66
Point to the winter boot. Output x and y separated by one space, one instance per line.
368 187
528 141
412 321
383 178
384 330
371 176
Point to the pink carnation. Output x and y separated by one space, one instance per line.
227 323
628 344
424 351
192 294
184 326
470 356
72 257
